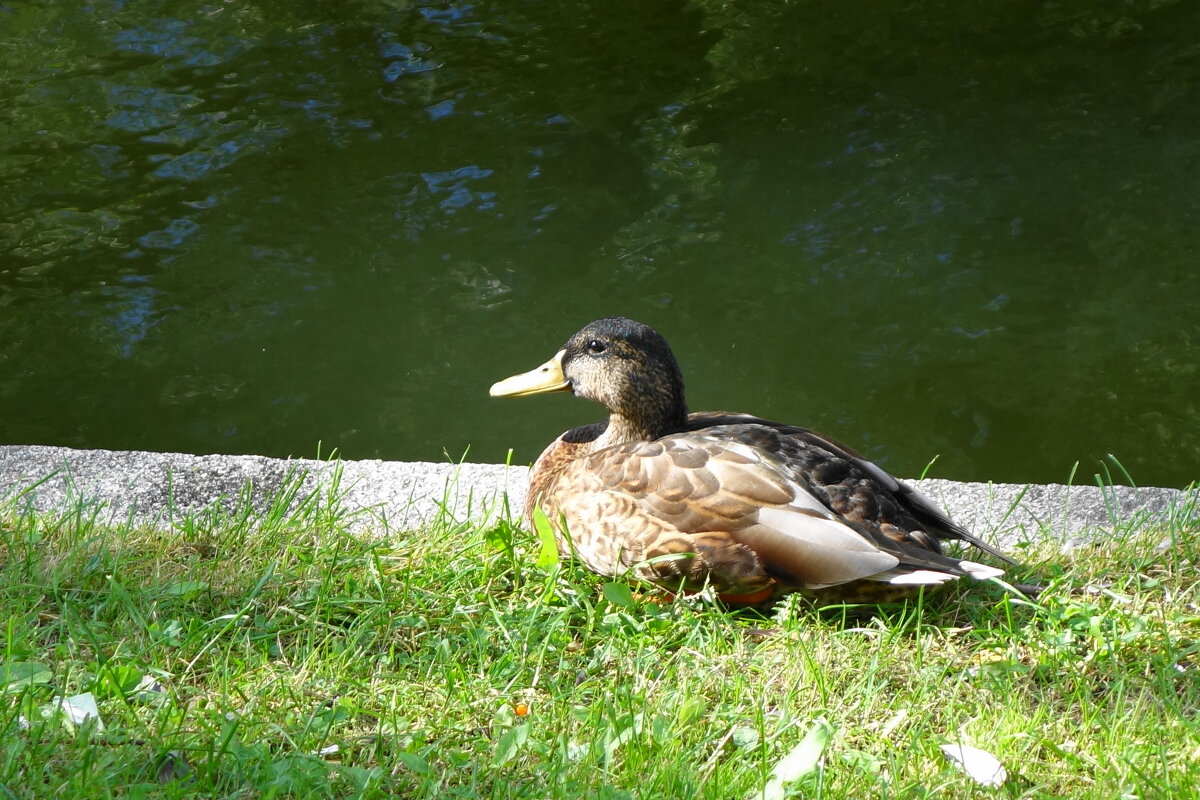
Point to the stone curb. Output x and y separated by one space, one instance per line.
162 489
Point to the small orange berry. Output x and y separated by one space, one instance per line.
521 709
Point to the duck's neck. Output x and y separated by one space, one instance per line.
623 428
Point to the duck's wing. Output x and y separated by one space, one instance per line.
732 513
852 486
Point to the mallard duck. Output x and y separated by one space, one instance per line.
750 507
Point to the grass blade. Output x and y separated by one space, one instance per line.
801 761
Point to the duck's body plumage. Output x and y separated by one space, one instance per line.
750 507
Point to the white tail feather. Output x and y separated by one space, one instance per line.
918 577
980 571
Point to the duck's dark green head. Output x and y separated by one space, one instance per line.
623 365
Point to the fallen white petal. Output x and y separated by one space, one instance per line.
982 767
148 690
79 708
895 722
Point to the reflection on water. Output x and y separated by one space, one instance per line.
967 234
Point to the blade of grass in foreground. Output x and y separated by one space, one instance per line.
800 762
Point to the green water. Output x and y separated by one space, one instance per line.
964 230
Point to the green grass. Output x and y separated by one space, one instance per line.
295 659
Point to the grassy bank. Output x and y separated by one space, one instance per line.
277 655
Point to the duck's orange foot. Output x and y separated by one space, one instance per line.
754 598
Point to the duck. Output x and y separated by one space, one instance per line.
749 508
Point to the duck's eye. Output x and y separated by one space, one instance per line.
595 346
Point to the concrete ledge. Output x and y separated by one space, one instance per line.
159 489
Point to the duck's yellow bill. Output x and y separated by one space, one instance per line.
546 378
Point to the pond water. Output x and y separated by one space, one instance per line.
962 230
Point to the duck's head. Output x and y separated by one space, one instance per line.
623 365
